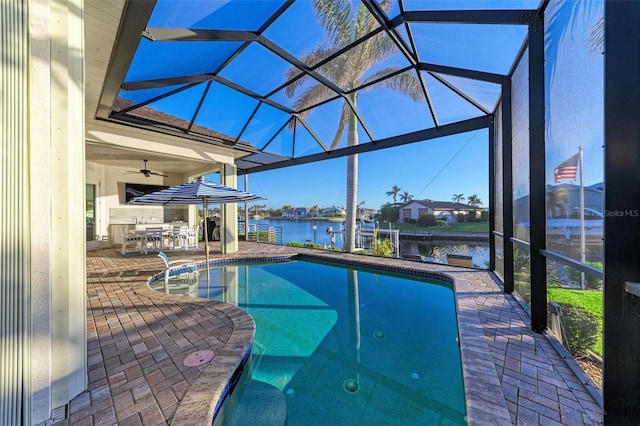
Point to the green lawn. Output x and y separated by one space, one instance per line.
454 227
591 300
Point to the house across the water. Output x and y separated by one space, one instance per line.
442 210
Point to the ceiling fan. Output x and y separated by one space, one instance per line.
146 172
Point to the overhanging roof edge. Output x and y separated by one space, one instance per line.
173 131
135 16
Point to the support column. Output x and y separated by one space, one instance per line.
229 219
507 186
492 197
622 213
537 213
67 180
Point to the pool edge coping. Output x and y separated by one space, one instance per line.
204 397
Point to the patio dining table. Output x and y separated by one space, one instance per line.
171 237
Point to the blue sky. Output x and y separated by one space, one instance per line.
459 164
433 169
430 169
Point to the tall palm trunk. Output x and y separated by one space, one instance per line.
352 185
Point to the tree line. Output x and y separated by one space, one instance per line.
472 200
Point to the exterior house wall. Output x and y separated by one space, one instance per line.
296 212
413 211
450 216
42 114
441 210
229 212
332 211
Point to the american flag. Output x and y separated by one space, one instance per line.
568 169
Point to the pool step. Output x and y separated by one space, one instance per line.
260 404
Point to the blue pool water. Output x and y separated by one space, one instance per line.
346 346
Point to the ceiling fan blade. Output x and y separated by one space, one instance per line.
146 172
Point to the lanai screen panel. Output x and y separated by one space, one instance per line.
575 169
218 72
498 193
520 178
575 127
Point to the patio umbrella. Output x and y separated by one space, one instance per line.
196 192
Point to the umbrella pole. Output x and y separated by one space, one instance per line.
206 243
206 232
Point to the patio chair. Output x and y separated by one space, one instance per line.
192 237
183 269
128 239
153 237
180 236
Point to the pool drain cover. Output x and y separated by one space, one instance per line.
197 358
351 385
379 335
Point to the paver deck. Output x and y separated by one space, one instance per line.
137 339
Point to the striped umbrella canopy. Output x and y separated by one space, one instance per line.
196 192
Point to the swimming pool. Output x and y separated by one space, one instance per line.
342 345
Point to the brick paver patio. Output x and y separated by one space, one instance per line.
137 339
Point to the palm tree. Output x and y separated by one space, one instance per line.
556 202
406 197
344 26
394 192
457 198
474 201
314 210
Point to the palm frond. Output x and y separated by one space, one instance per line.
339 70
335 19
362 20
565 20
596 37
318 54
380 47
406 83
312 96
292 72
313 57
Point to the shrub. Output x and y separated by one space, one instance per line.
580 329
484 216
295 244
590 282
382 248
442 222
521 259
388 213
462 217
472 216
552 279
427 219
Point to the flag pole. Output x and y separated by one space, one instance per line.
582 231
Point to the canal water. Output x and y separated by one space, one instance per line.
436 251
